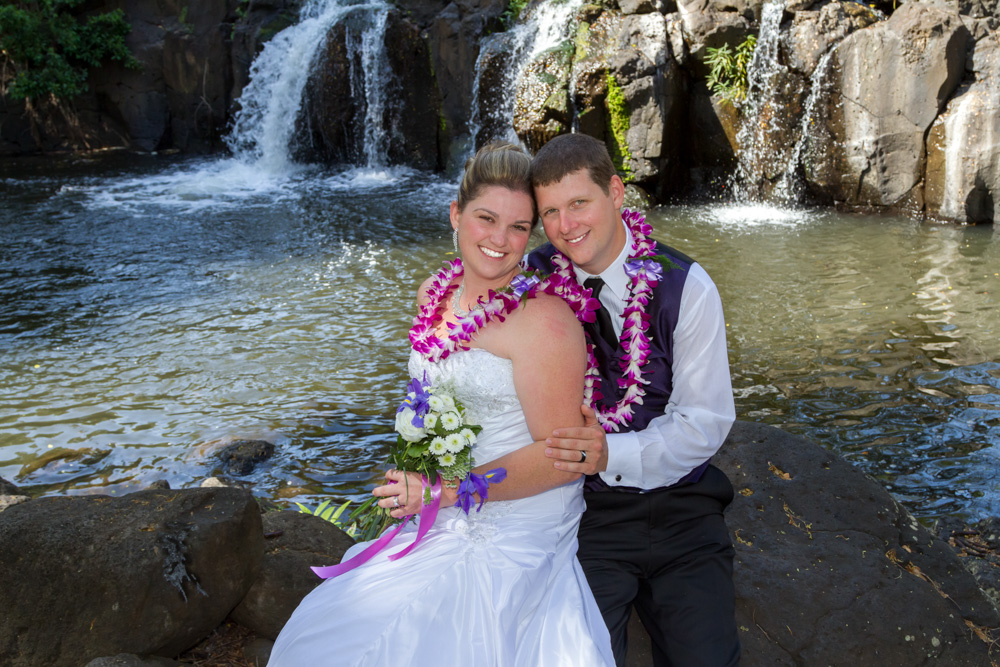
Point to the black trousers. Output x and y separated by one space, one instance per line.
668 553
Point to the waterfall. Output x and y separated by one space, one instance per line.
789 186
548 25
758 111
271 102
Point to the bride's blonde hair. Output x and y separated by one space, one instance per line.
497 163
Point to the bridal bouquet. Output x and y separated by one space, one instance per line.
434 440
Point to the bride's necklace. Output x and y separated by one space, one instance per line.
456 298
645 270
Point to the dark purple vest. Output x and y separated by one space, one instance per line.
663 311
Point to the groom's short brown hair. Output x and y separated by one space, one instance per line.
569 153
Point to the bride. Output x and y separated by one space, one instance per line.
501 586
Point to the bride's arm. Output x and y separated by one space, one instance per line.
548 350
546 344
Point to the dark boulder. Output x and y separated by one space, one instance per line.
295 542
347 94
8 488
240 457
149 573
830 569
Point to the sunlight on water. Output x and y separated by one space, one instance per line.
154 310
754 214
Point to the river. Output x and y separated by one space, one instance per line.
152 308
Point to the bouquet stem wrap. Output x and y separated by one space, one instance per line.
428 514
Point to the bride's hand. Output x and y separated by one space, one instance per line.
403 495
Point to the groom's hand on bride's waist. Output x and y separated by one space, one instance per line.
580 449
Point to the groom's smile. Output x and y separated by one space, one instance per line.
582 220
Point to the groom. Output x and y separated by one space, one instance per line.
653 535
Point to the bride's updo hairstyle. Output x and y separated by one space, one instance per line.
501 164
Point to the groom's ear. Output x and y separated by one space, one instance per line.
617 190
454 215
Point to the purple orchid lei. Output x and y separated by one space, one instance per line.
497 306
645 270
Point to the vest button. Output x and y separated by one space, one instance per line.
618 478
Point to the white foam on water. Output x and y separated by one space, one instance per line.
757 215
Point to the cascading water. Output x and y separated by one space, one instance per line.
789 187
548 25
264 126
758 110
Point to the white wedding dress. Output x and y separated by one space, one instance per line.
501 587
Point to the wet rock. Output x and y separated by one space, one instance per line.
830 569
653 93
10 501
258 651
295 542
542 108
889 83
149 573
159 484
240 457
131 660
706 26
963 146
814 32
455 35
334 123
8 488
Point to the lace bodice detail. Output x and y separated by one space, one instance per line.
482 381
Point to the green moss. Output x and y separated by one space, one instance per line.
582 41
618 124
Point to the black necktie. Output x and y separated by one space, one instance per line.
605 329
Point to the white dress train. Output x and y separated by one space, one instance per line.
497 588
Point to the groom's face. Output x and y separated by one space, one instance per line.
582 220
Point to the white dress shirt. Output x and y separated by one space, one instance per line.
701 409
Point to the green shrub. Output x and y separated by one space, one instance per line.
728 75
46 49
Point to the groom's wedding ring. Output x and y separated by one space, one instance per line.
583 456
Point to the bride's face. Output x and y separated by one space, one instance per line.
493 232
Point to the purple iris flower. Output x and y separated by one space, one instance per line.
417 400
651 266
474 483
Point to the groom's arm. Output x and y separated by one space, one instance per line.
696 420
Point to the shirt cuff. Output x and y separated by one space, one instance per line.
624 460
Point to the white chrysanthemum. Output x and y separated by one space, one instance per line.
430 421
437 404
467 433
451 421
455 442
447 460
449 403
438 446
405 427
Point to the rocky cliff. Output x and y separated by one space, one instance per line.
887 107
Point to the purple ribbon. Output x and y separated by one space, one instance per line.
650 266
428 513
519 285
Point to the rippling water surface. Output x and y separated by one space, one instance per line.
151 311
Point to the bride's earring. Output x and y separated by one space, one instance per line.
454 239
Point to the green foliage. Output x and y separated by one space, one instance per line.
48 48
728 75
618 123
513 11
364 523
